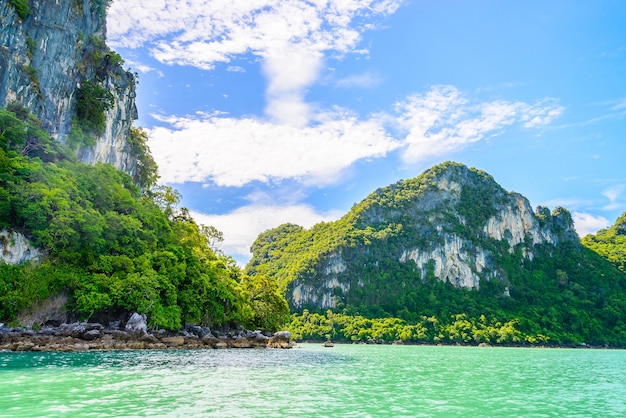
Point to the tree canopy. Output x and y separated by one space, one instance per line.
114 246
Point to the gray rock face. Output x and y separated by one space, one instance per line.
17 249
45 58
438 235
137 324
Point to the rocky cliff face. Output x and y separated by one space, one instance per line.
17 249
45 58
452 223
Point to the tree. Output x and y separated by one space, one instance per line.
213 236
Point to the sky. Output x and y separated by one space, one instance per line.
262 112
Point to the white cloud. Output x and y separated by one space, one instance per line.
143 68
443 121
291 36
613 194
235 69
365 80
233 152
242 226
586 223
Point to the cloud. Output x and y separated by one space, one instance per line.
586 223
143 68
365 80
613 194
290 36
234 152
443 121
242 226
235 69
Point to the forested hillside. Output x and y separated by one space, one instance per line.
610 243
454 258
114 244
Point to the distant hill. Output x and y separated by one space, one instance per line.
610 243
449 242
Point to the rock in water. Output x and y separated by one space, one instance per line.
280 339
137 324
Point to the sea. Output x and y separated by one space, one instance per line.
315 381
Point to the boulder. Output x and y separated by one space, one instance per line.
137 324
280 339
173 340
91 335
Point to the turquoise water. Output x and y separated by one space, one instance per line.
312 381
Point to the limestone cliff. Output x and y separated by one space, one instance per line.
17 249
453 224
46 55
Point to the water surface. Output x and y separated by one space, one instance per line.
313 381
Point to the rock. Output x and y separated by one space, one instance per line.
91 335
210 341
195 330
280 340
74 330
150 339
24 346
173 340
120 335
137 324
221 344
242 343
17 249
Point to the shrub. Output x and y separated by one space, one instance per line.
92 101
21 8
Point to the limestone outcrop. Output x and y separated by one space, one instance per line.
17 249
45 58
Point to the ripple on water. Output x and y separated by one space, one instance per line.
316 382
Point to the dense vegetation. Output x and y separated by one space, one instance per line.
564 294
459 329
115 244
560 299
610 243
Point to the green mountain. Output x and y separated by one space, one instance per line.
450 242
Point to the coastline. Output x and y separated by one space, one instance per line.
456 344
87 336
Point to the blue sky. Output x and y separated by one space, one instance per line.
262 112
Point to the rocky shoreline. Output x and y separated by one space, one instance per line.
133 335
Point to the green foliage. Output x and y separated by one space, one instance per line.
21 132
610 243
31 47
146 174
99 7
453 329
114 248
31 73
92 101
269 308
21 8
